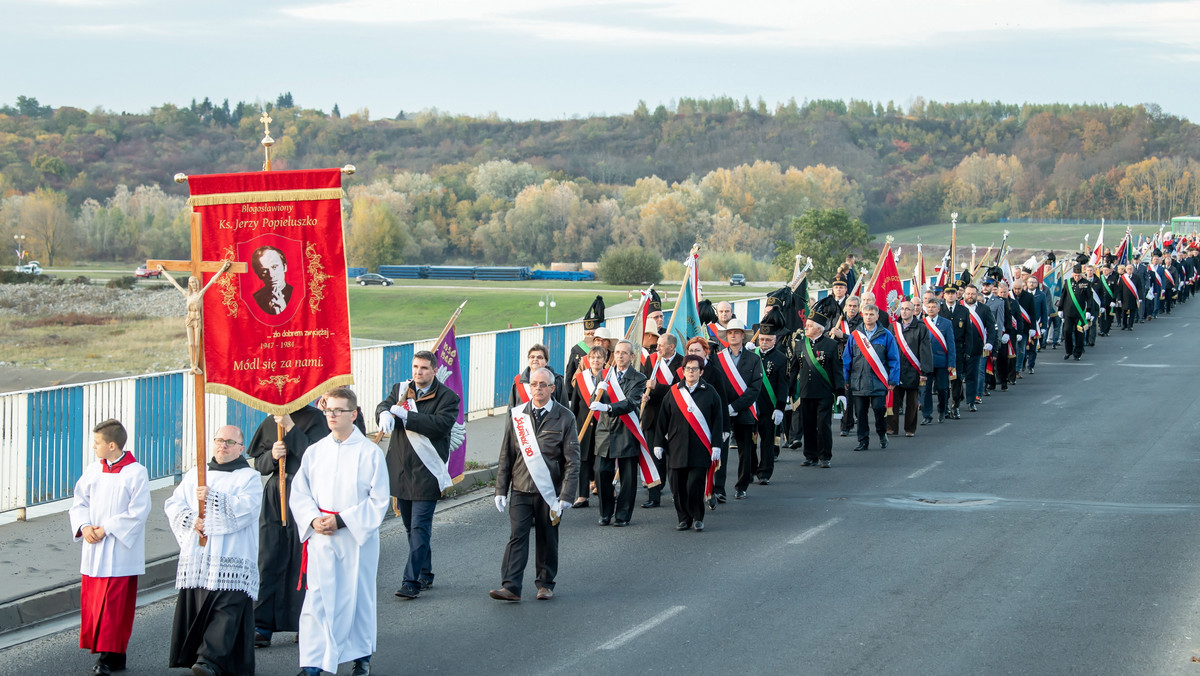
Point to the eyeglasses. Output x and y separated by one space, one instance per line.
691 368
227 443
541 385
337 411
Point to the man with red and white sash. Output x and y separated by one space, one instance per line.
871 367
582 394
942 364
913 344
538 356
1129 296
742 370
539 463
979 335
662 371
686 433
624 386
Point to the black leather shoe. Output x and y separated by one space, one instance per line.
972 408
740 495
1077 358
824 464
1004 387
956 414
808 463
605 520
712 502
1066 356
361 668
202 669
682 525
261 641
883 441
927 421
721 498
620 524
862 446
986 393
763 481
408 591
699 526
101 669
845 433
579 504
649 504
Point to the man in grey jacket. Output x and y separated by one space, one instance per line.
539 462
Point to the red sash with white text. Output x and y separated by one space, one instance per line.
906 350
634 425
735 378
936 333
872 357
531 453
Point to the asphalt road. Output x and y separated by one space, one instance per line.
1053 532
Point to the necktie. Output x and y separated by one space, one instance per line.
538 415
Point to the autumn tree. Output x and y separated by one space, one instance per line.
826 236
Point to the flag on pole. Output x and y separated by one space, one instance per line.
1099 250
685 319
888 288
918 273
449 372
943 271
1123 250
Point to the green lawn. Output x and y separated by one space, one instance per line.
1035 236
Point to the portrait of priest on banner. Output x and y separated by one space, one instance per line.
270 266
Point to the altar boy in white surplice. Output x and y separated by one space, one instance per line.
338 501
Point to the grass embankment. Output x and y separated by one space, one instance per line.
93 343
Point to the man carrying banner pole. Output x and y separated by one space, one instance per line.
742 369
543 435
624 386
426 410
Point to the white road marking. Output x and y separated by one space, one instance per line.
923 470
1057 396
1122 359
1090 377
998 429
1148 346
629 635
814 531
1158 366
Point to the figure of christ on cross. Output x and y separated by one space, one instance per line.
194 296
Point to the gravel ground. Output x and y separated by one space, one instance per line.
45 300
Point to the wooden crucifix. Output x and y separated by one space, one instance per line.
197 266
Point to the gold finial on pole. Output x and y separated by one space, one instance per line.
267 141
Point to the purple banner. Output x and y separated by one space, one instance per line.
448 373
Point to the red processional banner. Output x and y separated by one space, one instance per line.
277 336
888 288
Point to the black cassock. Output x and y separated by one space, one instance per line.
279 601
219 625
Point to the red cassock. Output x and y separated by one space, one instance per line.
106 606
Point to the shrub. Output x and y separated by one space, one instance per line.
81 280
13 277
126 282
630 265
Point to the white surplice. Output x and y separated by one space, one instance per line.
229 561
338 621
118 502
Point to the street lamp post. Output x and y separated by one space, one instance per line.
20 240
547 302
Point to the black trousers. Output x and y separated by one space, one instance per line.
742 436
818 428
906 400
747 450
765 462
956 385
794 424
654 493
1128 317
216 627
1073 338
687 487
968 375
877 404
1106 321
620 506
525 511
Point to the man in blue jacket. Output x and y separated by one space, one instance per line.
871 366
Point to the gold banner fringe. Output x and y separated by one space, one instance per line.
266 196
275 409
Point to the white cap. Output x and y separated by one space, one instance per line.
736 324
602 333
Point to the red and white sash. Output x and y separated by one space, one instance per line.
978 324
906 350
522 389
531 453
1170 277
634 425
735 378
843 326
587 386
872 357
936 333
691 413
1132 289
713 331
662 372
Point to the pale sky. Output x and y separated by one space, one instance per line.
548 59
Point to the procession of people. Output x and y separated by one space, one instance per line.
625 413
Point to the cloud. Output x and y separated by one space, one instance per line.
782 23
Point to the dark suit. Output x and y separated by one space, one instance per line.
817 394
416 488
1075 308
686 456
743 423
958 322
579 402
263 298
621 449
916 336
649 414
775 367
973 346
557 440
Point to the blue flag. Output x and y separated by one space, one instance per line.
685 320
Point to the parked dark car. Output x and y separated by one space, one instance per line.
737 280
372 278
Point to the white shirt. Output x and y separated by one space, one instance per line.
118 502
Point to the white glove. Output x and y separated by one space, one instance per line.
386 422
1060 314
658 451
732 413
987 347
1020 337
400 412
1087 316
1112 304
777 417
1033 335
1149 296
603 386
599 406
716 452
725 436
562 506
1004 339
501 503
